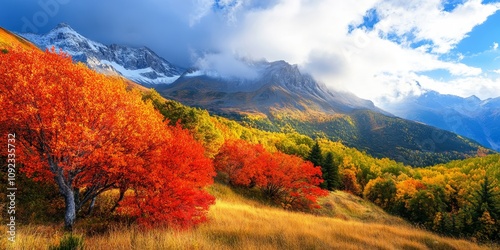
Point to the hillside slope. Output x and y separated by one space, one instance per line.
237 222
282 97
9 39
405 141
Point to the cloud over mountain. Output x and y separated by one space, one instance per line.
371 47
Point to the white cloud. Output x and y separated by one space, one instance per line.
292 29
480 86
427 21
319 37
202 8
224 65
495 46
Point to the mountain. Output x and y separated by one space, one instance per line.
470 117
141 64
277 97
277 86
281 98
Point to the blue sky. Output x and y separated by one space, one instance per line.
377 49
480 48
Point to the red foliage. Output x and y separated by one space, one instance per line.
176 194
237 161
88 133
286 179
291 180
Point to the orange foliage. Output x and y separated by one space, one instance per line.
350 182
9 40
238 161
291 180
88 133
408 188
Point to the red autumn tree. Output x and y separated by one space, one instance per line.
286 179
290 180
175 196
237 162
87 133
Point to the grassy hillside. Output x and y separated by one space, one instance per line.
8 39
240 222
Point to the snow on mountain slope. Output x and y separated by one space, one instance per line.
141 65
140 75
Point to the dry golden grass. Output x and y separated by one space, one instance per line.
8 39
241 223
346 206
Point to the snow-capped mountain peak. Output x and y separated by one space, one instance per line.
65 38
138 64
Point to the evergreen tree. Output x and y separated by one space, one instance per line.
315 156
486 212
333 178
487 200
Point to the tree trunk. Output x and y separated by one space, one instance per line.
70 215
69 198
122 195
91 206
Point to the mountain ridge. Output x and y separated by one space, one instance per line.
276 104
278 85
137 64
144 66
468 116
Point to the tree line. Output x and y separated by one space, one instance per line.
460 199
